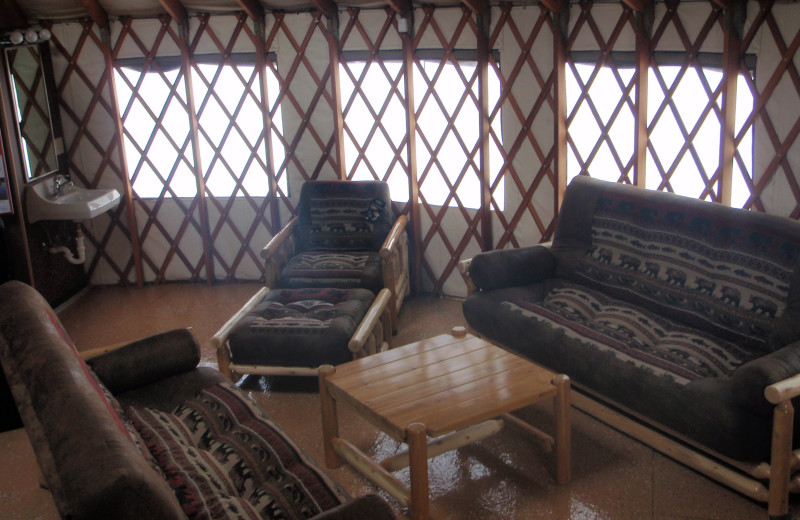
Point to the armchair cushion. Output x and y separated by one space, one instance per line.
300 327
343 216
360 269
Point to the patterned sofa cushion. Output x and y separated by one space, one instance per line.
300 327
633 335
700 263
226 459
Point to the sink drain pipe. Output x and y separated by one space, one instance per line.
80 246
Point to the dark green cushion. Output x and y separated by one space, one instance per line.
300 327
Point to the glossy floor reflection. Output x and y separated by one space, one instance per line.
503 477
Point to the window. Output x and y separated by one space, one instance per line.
684 108
157 133
448 125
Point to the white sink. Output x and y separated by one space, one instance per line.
74 203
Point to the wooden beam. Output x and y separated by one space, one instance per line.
11 16
484 131
96 12
413 177
477 6
731 57
253 8
643 28
326 7
176 10
401 7
560 25
555 6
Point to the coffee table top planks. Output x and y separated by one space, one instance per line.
444 382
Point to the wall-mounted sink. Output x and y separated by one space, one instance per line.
73 203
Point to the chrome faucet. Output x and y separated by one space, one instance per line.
59 182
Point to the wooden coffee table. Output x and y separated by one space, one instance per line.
454 390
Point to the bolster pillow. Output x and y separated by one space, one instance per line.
750 379
147 360
511 267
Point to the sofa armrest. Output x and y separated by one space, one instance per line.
368 507
147 360
511 267
751 380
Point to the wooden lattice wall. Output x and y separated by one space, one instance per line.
290 82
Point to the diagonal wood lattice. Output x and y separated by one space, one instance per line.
92 152
461 226
609 106
170 227
526 147
237 175
778 170
678 168
378 150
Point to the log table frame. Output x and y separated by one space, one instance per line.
454 389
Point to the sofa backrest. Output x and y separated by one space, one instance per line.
87 454
343 216
724 270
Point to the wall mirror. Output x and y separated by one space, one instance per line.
30 75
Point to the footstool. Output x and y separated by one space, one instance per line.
294 331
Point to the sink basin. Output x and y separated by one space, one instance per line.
74 203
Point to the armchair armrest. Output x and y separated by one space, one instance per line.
510 267
219 341
278 251
394 237
147 360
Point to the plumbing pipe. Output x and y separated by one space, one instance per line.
80 246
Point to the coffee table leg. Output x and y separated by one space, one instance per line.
330 422
563 435
417 438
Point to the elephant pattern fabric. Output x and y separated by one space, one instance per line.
227 460
724 279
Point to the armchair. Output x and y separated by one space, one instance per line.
345 235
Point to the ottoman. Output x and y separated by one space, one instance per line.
294 331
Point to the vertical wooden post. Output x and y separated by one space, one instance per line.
735 12
417 438
407 38
256 12
644 25
330 424
484 132
205 229
338 119
563 426
780 463
127 188
560 13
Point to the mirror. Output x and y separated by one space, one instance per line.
30 73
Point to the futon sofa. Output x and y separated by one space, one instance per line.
674 313
140 432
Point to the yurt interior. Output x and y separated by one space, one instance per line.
202 120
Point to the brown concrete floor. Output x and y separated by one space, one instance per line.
614 476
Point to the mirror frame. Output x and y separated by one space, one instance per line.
56 131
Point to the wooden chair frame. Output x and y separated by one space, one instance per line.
748 478
372 335
394 261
